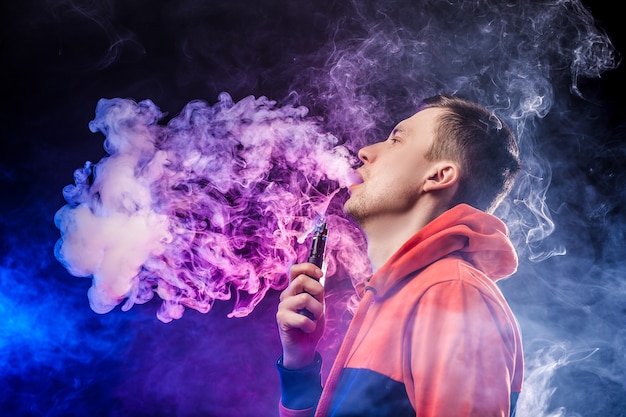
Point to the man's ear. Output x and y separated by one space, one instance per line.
443 175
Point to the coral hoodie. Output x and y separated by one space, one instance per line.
433 337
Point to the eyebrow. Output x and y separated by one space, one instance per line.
398 129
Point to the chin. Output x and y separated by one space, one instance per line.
352 209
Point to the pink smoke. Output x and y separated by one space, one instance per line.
215 204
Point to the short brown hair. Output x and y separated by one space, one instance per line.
481 143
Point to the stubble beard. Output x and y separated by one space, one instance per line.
360 208
363 207
354 210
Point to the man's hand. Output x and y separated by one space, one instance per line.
298 333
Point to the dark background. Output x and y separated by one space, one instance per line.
58 358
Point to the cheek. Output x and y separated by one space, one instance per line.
405 186
403 178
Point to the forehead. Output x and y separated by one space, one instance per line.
423 122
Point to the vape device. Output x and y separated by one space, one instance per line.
316 255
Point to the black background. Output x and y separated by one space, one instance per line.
58 358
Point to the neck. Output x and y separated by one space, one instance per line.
386 234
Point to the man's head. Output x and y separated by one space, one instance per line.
481 144
451 151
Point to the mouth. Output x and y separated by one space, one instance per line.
354 179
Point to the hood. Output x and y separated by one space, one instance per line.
478 237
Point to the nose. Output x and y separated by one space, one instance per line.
366 154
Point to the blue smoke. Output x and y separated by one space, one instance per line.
53 353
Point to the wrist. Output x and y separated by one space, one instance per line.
300 388
299 360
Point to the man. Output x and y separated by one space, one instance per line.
433 335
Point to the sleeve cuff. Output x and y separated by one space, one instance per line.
300 388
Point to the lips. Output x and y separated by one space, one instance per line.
354 178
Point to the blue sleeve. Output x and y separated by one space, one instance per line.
300 388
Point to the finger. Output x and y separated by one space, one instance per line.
300 302
304 284
305 268
290 320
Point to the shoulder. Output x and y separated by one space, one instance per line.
453 275
452 269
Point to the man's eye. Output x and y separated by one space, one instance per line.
394 140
